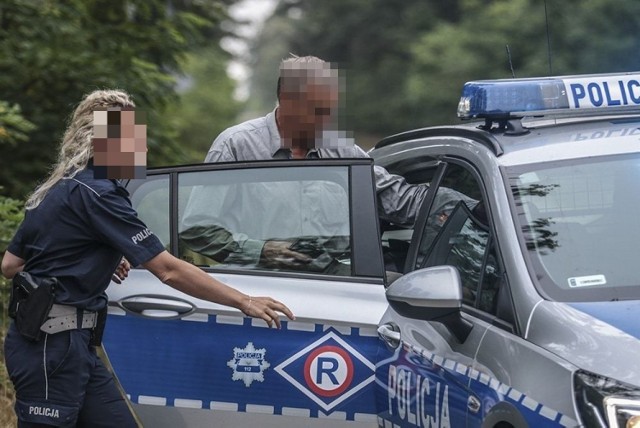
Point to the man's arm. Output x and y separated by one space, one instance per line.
220 245
211 240
207 228
220 151
398 201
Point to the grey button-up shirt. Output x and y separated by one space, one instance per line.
259 139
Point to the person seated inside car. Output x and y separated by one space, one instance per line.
292 225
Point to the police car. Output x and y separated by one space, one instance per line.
512 301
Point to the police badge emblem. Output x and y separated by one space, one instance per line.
248 364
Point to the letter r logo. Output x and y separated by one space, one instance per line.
328 370
327 366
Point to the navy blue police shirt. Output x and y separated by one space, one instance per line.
79 233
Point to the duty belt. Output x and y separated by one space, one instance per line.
63 318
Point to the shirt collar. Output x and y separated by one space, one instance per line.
285 153
274 135
275 141
89 172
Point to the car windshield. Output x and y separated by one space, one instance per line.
580 226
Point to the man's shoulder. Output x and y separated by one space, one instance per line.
338 144
250 140
246 128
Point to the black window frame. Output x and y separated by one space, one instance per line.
507 322
367 257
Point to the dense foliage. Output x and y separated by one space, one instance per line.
407 60
54 52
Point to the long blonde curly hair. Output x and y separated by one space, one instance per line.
77 148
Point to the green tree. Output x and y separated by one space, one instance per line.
582 39
205 105
13 130
407 60
453 53
54 52
11 214
267 51
368 39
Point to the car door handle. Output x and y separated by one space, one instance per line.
390 333
157 307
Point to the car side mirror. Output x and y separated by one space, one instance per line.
431 294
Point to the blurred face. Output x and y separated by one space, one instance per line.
304 115
119 144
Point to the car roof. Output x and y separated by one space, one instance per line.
533 140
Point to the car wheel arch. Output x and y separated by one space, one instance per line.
504 415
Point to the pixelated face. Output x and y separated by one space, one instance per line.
304 115
119 144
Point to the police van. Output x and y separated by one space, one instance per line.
512 301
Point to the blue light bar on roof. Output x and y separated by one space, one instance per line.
564 95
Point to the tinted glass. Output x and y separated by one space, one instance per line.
457 233
233 219
151 200
457 185
462 243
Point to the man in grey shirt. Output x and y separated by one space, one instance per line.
304 125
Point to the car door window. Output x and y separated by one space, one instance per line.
150 198
457 185
321 363
227 218
463 242
396 238
457 233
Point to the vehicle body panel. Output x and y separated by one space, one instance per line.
525 376
591 343
210 362
423 364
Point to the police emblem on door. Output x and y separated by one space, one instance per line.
328 371
248 364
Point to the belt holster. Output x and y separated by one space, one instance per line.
30 303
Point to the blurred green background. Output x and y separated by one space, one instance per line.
405 62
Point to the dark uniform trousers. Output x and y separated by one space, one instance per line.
60 381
